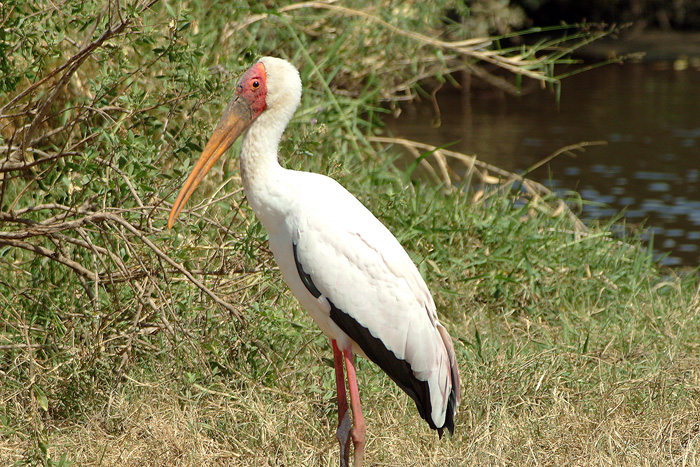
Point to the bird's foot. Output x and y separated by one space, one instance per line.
343 435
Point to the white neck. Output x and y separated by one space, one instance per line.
258 159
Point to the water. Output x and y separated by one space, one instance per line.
649 170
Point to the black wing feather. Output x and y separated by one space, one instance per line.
397 369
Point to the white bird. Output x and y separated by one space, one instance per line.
342 264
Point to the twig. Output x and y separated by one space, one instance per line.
472 48
17 239
533 188
86 50
10 163
126 179
54 255
171 262
563 150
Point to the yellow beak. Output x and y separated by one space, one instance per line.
236 119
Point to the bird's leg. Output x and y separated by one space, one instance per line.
358 422
343 433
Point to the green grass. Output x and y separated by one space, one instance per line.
574 347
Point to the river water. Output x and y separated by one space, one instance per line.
649 170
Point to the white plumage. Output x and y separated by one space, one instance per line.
342 264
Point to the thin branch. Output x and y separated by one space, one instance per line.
472 48
86 50
172 263
126 179
17 239
54 255
10 163
536 190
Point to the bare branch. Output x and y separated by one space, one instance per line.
172 263
536 190
471 48
51 254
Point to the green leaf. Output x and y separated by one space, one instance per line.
41 398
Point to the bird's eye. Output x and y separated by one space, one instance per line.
256 84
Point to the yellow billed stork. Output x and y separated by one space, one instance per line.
342 264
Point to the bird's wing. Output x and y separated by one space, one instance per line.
345 256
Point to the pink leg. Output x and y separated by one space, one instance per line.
358 429
343 433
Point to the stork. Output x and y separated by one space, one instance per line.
342 264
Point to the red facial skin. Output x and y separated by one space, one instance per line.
253 87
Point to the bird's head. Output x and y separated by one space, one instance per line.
272 83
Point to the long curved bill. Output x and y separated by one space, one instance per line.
237 117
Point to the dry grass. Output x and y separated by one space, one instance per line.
548 425
528 404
